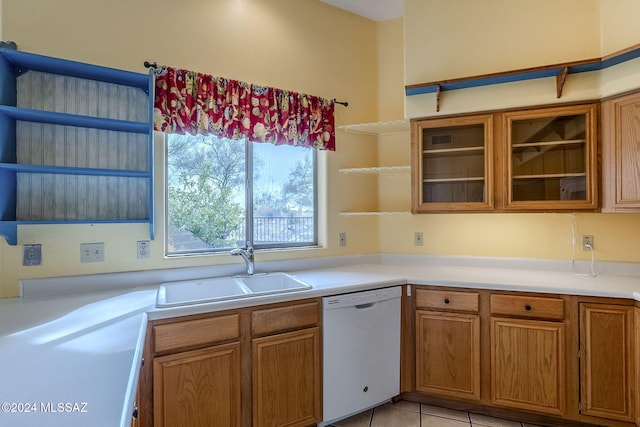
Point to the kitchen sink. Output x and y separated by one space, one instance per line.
271 283
199 291
190 292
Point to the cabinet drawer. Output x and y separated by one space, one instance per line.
449 300
196 332
534 307
284 318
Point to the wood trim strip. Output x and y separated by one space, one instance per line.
553 70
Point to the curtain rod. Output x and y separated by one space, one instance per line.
154 65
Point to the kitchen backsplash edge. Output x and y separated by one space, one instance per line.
73 285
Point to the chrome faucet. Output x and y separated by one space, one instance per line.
246 254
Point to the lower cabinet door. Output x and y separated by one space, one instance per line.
527 365
198 388
448 354
606 334
286 379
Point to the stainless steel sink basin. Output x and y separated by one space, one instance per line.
271 283
226 288
199 291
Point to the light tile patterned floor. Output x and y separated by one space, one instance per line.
409 414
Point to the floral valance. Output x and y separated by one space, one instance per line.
195 103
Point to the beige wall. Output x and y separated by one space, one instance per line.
448 39
390 70
306 46
455 38
618 24
312 47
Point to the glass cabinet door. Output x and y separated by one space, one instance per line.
551 159
452 167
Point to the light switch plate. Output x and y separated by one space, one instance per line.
92 252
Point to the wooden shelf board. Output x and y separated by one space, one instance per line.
25 61
66 119
378 128
453 150
377 170
66 170
558 71
549 143
549 175
437 180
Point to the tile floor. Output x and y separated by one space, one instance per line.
409 414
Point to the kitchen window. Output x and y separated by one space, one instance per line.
221 193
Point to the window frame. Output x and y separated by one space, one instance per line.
249 217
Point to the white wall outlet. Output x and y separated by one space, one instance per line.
144 249
31 254
587 243
92 252
418 238
342 238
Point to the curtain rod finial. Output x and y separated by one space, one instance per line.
345 103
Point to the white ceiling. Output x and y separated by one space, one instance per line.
376 10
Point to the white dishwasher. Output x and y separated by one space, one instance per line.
361 355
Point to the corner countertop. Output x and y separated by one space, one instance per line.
74 359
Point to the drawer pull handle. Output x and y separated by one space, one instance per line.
446 300
527 307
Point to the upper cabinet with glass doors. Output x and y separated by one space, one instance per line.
452 167
545 160
551 159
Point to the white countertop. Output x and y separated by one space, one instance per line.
73 360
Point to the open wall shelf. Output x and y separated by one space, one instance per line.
559 71
76 143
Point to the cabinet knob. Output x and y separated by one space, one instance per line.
446 300
527 307
135 413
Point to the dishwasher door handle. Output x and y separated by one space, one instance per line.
365 306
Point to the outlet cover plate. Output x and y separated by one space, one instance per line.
587 242
144 249
31 254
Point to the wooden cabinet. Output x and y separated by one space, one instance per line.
606 374
541 358
621 154
286 365
286 379
448 344
527 355
551 158
452 164
522 160
255 366
198 388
